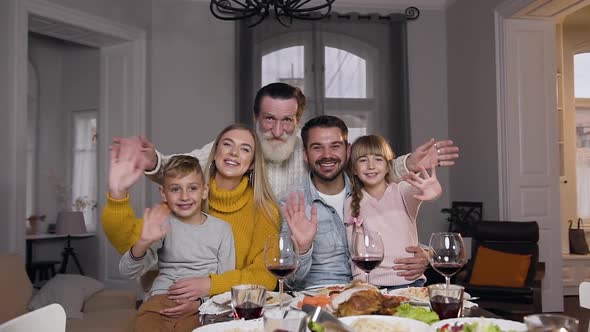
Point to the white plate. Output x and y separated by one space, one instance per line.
403 292
254 325
503 324
406 324
320 289
225 298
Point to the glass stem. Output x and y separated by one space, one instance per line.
367 274
447 280
281 294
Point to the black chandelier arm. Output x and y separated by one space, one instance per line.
295 6
230 5
412 13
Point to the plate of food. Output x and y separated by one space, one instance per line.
272 299
325 289
367 323
475 324
253 325
418 295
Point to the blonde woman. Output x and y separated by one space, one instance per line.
239 194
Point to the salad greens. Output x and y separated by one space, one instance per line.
315 327
481 325
417 313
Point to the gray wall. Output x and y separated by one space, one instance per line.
472 102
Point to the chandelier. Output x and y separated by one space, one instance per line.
283 10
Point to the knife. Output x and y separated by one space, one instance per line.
326 319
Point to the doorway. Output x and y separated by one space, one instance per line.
121 106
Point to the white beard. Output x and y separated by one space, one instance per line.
278 151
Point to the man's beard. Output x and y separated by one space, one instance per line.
280 149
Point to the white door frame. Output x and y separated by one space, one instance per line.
522 190
126 111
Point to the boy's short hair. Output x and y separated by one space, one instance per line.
181 165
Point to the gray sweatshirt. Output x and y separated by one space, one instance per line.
185 251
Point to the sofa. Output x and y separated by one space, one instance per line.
105 310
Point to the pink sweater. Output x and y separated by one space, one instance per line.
394 216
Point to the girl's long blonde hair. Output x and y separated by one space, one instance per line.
363 146
264 199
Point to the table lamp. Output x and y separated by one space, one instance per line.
70 223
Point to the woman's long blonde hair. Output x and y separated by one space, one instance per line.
264 199
363 146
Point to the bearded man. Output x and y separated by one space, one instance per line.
278 109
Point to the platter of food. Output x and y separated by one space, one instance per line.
384 324
475 324
418 295
359 299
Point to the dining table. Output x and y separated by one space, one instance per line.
467 312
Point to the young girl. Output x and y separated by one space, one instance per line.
378 204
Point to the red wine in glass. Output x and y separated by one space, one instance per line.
281 258
367 264
447 269
281 271
445 307
248 310
366 250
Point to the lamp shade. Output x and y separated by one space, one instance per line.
70 222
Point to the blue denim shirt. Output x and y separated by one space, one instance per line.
328 260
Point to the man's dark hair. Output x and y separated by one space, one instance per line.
280 91
323 121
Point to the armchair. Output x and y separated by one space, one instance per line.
505 271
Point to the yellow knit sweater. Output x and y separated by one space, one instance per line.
250 229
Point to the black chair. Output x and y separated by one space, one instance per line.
518 238
463 215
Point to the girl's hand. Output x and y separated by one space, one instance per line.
155 223
427 184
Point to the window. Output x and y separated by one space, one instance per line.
84 181
350 66
582 94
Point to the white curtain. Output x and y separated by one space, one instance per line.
84 180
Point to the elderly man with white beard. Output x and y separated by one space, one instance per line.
278 109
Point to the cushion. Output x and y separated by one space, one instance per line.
15 287
69 290
498 268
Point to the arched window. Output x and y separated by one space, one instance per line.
350 66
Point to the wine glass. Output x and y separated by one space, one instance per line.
367 250
447 254
281 258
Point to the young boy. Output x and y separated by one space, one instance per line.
184 243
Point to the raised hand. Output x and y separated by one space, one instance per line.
439 153
123 173
155 223
302 228
427 184
137 148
